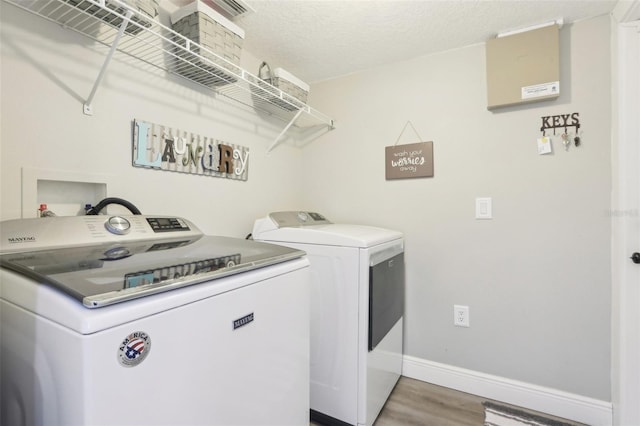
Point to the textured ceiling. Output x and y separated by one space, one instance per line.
322 39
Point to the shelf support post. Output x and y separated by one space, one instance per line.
293 120
87 108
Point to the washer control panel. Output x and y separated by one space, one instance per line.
69 231
297 218
167 224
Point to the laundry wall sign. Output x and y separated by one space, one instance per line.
409 161
165 148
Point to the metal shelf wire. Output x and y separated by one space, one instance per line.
127 30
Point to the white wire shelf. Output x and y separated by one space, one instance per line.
127 30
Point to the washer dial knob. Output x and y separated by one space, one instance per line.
118 225
303 216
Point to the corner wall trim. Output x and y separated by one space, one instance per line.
547 400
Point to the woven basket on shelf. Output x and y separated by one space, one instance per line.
279 79
218 39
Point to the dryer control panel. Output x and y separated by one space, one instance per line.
297 218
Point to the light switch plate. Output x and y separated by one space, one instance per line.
483 208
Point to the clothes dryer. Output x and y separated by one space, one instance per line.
357 308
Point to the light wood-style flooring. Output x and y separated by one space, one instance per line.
414 402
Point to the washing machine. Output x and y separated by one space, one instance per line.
143 320
357 308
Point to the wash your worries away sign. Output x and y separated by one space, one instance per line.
409 160
170 149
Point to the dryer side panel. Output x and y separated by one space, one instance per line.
335 288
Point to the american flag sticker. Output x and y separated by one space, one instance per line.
134 349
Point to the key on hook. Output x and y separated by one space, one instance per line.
565 141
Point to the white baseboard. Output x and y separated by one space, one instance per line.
551 401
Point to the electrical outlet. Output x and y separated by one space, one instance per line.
461 316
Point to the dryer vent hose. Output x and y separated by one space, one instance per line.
104 203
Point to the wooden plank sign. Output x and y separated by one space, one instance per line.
170 149
409 161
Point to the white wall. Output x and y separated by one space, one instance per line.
537 276
46 74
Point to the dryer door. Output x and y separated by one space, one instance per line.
386 297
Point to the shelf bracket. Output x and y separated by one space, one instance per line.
314 133
87 107
277 140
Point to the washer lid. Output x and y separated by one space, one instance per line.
104 274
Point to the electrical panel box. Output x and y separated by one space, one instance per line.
523 67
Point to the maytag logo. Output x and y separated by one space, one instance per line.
17 240
240 322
